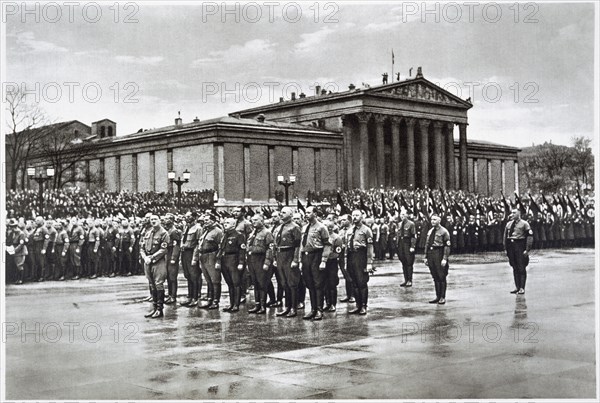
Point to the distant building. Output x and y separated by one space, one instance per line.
399 134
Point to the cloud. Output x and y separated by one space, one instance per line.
251 50
141 60
381 26
312 40
30 44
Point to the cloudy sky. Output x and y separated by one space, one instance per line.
529 69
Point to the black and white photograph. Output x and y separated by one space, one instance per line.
299 201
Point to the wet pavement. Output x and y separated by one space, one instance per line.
89 340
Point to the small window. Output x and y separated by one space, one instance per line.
110 131
102 131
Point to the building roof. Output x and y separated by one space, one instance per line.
225 121
489 144
56 126
102 120
363 91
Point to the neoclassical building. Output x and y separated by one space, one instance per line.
400 134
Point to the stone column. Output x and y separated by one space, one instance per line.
348 182
363 120
410 152
396 151
462 155
424 126
437 154
380 149
451 181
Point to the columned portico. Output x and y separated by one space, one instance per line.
424 151
410 151
396 157
451 182
379 146
363 126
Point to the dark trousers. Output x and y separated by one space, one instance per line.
191 273
290 278
407 258
49 261
125 260
172 272
437 271
516 259
93 258
259 277
347 279
357 269
37 259
314 278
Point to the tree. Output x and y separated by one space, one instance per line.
583 161
27 124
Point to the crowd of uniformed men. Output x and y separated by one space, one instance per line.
303 250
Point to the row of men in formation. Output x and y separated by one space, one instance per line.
301 252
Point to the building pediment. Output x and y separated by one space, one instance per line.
420 89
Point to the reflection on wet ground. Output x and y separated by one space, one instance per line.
89 340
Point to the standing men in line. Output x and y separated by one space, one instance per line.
259 258
518 238
230 260
125 248
244 227
154 253
40 238
359 249
17 247
332 278
50 258
437 250
93 246
77 238
315 252
344 229
407 243
287 256
62 249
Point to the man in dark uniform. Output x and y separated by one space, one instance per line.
62 249
40 239
77 238
50 257
332 278
230 260
315 249
287 251
344 228
407 241
259 257
93 246
437 250
126 242
206 255
189 241
359 248
518 239
244 227
392 239
275 299
153 253
110 252
172 257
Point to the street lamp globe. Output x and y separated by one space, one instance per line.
50 172
30 171
171 174
186 175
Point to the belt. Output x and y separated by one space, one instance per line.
231 253
208 251
435 247
284 248
257 253
357 249
516 240
312 251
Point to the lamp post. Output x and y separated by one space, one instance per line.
179 182
287 183
40 179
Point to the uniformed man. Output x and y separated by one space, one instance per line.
244 227
375 228
332 278
437 250
518 239
383 237
172 257
275 299
344 228
93 246
125 241
110 252
17 247
359 249
189 241
50 256
153 254
40 238
230 260
62 249
206 256
298 218
407 242
259 257
77 238
315 250
287 251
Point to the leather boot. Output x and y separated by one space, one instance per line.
154 304
442 300
263 303
231 299
364 298
160 301
288 303
333 299
257 306
437 293
320 298
523 280
217 297
20 277
327 293
293 302
149 298
357 297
